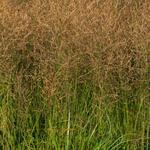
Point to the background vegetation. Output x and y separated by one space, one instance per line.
74 75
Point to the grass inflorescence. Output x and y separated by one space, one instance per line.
74 75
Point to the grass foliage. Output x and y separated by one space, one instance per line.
74 75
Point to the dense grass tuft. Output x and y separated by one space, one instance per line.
74 75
